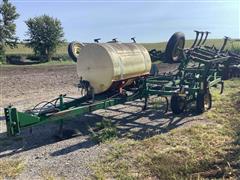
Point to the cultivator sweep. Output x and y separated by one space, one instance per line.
201 68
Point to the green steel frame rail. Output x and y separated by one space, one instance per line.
16 120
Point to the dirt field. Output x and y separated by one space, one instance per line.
45 156
25 86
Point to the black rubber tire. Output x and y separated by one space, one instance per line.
178 103
173 55
72 50
200 102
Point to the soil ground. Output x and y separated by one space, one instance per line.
41 151
24 86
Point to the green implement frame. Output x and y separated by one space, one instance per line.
197 73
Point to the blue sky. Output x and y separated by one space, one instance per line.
148 21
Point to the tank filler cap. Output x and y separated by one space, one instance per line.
97 40
133 39
114 40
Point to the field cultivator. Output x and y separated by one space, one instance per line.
201 68
176 44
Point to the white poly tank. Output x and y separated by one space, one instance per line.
103 64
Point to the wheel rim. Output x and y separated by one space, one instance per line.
76 49
161 102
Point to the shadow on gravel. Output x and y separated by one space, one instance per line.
137 125
83 145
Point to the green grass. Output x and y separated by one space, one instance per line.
216 42
104 131
199 151
10 169
62 49
21 49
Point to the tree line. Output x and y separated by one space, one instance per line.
44 33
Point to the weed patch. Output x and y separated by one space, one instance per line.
208 150
10 168
104 131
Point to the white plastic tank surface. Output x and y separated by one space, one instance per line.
102 64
